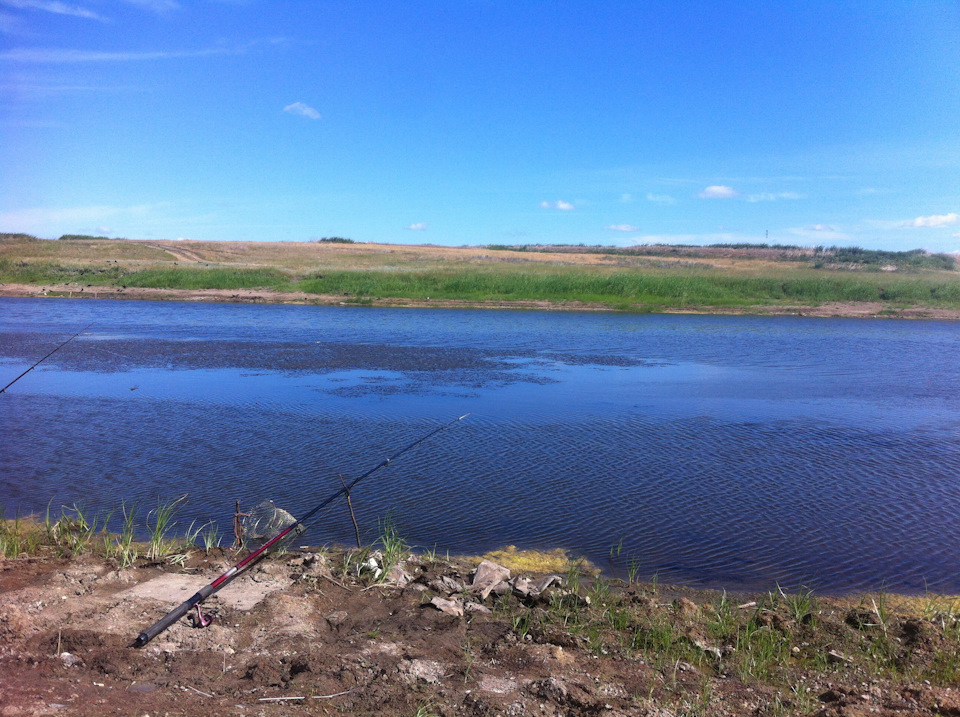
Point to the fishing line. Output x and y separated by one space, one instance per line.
2 390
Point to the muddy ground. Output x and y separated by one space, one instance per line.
307 633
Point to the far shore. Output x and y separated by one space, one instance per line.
856 310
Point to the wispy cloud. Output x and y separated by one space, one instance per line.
773 197
54 6
418 227
57 220
158 6
819 233
66 56
303 110
626 198
934 220
718 191
660 198
559 205
622 228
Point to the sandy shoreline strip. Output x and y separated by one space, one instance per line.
861 310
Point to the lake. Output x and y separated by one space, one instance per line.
713 451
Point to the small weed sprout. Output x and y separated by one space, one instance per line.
394 546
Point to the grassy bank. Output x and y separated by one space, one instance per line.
629 280
637 289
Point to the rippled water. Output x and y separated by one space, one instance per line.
717 451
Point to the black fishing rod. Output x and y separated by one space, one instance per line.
44 358
171 617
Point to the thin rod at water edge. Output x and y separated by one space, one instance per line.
171 617
3 390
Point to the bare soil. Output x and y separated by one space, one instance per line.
298 635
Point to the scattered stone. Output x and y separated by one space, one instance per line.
836 658
398 576
488 577
446 584
477 608
427 671
336 619
709 649
68 659
451 607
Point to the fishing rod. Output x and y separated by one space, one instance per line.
171 617
2 390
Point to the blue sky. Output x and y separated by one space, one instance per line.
483 122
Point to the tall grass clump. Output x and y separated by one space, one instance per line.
160 522
216 278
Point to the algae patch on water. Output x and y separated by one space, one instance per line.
537 561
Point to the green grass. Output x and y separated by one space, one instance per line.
217 278
47 272
623 288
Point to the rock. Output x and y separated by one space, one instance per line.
336 619
451 607
528 588
550 689
446 584
835 658
489 576
422 671
398 576
476 607
715 651
69 659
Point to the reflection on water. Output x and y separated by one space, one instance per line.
722 451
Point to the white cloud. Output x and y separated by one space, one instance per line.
52 221
299 108
418 227
622 228
718 191
62 56
559 204
934 220
771 197
819 233
54 6
626 197
157 6
660 198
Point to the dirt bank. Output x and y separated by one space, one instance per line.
860 310
307 634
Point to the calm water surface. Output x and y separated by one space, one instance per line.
715 451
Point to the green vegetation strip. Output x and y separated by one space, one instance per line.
620 289
637 288
208 279
40 272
